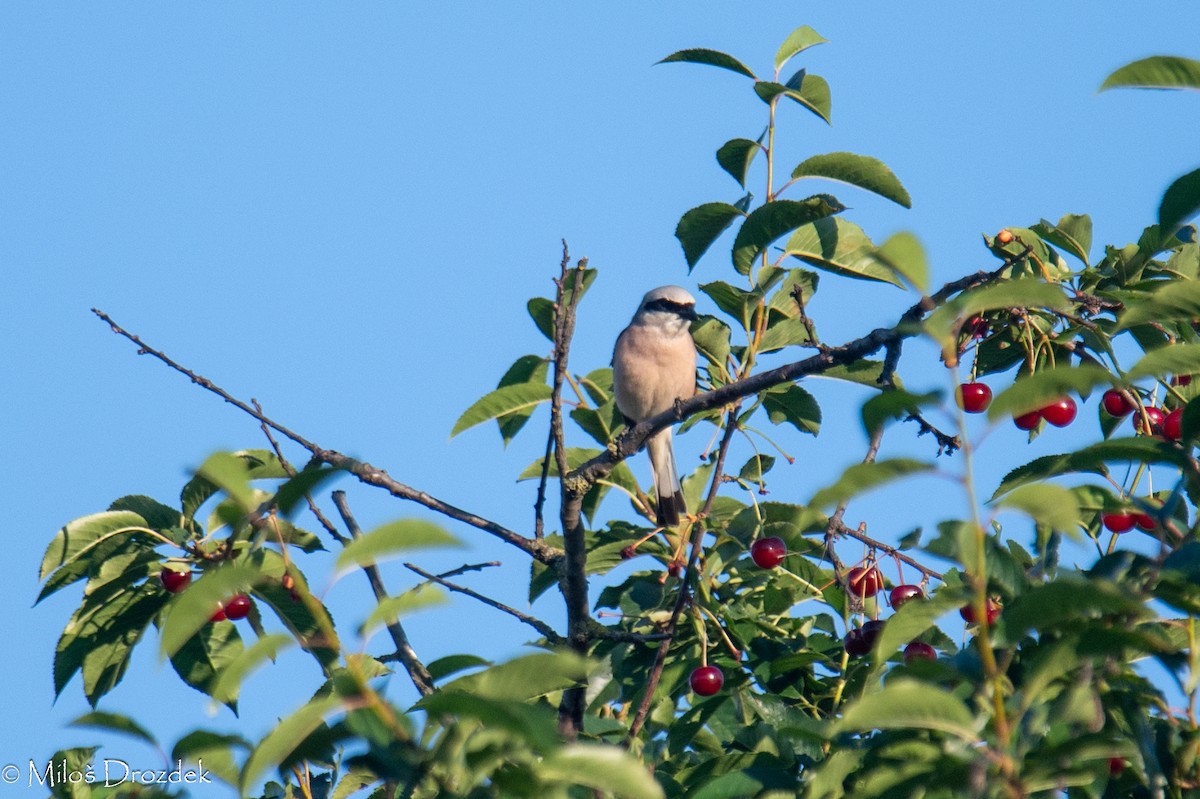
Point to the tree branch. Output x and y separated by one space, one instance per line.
365 472
542 627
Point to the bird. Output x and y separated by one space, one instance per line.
654 366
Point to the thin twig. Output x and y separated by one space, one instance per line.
542 627
365 472
417 672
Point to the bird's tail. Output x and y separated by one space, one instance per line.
671 507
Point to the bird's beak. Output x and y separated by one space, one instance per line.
690 314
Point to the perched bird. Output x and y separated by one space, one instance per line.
654 366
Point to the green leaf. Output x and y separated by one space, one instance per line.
1073 233
286 735
83 534
1173 300
297 488
1091 460
701 226
811 91
784 333
905 704
526 369
735 157
1156 72
206 655
393 607
795 406
862 477
774 219
905 256
737 303
502 401
157 515
525 677
190 610
214 750
392 538
535 724
894 404
1039 389
541 311
234 670
797 42
115 722
864 372
1180 202
857 170
1048 504
602 768
1043 607
910 622
715 58
1178 359
839 246
452 664
711 337
231 474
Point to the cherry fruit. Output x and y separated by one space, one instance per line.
905 593
864 581
919 650
237 607
856 643
706 680
767 553
218 614
975 327
1145 521
1060 413
871 631
1181 380
1028 421
1115 403
1172 425
1118 522
992 611
1155 416
974 397
174 581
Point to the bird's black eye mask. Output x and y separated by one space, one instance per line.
685 310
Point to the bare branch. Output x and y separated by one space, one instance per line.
365 472
407 656
542 627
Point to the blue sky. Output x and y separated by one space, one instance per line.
341 210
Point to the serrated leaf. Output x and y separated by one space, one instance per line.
810 91
737 303
715 58
1180 202
451 664
1043 607
735 157
526 369
839 246
207 654
231 474
157 515
1178 359
864 372
1091 460
296 489
524 678
286 736
774 219
1156 72
1174 300
602 768
541 311
1040 389
795 406
392 608
701 226
1048 504
862 477
80 536
797 42
99 637
115 722
904 255
781 333
502 401
1073 233
907 704
391 539
535 724
711 337
190 610
862 171
226 687
911 621
894 404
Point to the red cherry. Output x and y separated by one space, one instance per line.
1145 521
767 553
904 593
706 680
856 643
919 650
1115 766
1115 403
973 397
1155 416
1117 522
174 581
975 327
871 631
218 614
1060 413
238 607
675 568
1172 425
1028 421
1181 380
864 581
992 609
